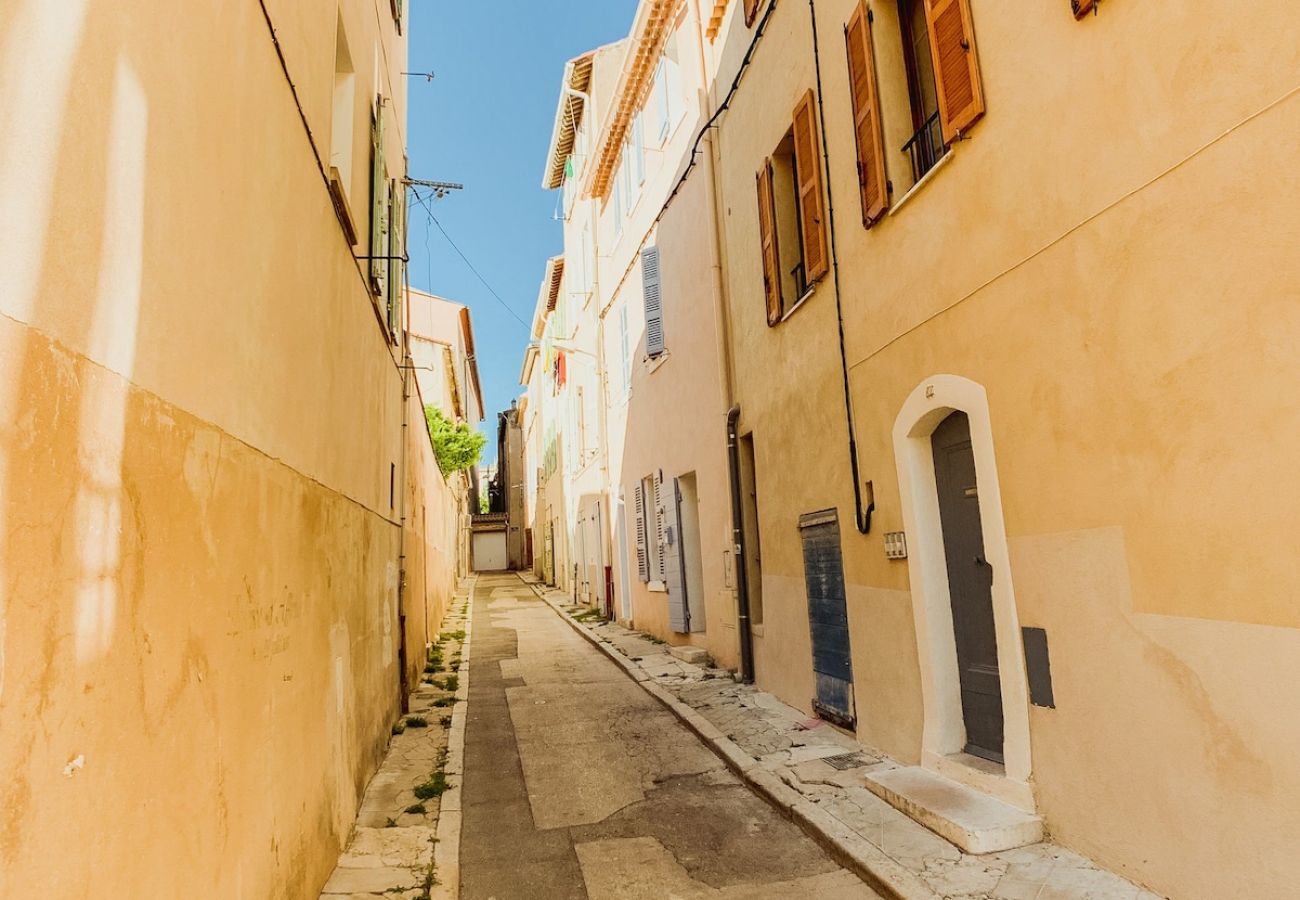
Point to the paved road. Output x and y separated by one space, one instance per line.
580 784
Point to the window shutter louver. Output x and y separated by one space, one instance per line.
956 67
396 267
767 242
808 166
650 290
751 11
642 556
658 536
378 206
866 116
679 616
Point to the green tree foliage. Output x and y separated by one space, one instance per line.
456 445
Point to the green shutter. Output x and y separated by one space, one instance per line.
378 206
396 267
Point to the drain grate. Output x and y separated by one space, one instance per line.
845 761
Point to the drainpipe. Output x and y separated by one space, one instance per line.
738 537
861 515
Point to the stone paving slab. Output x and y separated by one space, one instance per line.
777 749
403 847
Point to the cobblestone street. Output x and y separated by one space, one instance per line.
578 783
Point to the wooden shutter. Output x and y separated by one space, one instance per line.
751 11
767 241
378 205
956 66
654 311
679 616
866 116
642 556
396 268
808 166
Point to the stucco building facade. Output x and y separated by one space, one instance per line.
221 557
1022 390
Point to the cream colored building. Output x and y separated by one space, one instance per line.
1011 297
445 366
220 560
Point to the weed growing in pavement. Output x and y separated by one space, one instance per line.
451 636
391 823
445 721
436 786
398 727
416 722
444 701
450 683
416 809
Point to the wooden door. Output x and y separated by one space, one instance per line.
970 585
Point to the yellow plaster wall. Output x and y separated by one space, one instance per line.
198 624
1111 255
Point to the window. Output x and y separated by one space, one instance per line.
379 207
396 252
343 132
792 231
638 146
943 82
668 89
649 529
397 13
618 200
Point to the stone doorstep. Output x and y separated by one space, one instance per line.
696 656
975 822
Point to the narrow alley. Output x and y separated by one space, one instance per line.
580 784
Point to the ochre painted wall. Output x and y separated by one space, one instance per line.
200 546
1111 256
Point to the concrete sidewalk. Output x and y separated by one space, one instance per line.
783 754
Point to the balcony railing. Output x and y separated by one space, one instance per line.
926 147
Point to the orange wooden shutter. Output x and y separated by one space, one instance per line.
767 240
866 116
808 165
956 67
751 10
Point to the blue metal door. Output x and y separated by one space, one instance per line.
828 617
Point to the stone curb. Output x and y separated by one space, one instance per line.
843 844
446 850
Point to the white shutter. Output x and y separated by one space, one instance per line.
654 313
679 616
642 557
657 570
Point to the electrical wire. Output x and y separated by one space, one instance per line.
423 201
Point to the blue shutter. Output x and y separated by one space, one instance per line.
654 313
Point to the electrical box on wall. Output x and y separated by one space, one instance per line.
895 545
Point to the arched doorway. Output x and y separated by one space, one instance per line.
969 645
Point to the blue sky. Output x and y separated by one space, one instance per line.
485 121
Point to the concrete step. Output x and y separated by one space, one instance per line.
975 822
696 656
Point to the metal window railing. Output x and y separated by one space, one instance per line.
926 147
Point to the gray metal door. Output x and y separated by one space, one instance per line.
828 616
970 586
